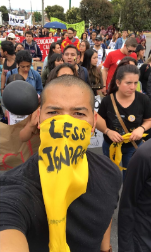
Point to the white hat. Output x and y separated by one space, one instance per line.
11 35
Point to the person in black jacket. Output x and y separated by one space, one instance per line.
148 89
134 222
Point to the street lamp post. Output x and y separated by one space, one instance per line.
69 4
42 13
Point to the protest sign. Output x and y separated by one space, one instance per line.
13 151
43 43
97 139
79 27
38 66
16 20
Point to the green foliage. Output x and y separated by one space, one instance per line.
98 11
117 6
38 16
136 14
55 11
4 11
73 15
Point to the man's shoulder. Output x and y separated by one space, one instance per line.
103 169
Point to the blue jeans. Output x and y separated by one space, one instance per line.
127 153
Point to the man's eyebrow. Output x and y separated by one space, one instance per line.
54 107
79 108
73 108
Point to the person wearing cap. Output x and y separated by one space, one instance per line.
121 41
100 49
11 37
140 55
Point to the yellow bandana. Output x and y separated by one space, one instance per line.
115 150
63 169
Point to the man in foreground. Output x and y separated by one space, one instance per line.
23 221
134 223
113 59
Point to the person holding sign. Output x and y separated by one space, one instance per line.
63 192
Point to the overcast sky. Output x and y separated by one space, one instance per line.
36 4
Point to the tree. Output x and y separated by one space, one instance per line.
73 15
98 11
4 11
37 16
55 11
136 14
117 6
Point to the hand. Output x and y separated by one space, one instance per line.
104 91
115 136
137 134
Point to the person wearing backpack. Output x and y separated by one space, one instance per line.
70 55
99 47
31 45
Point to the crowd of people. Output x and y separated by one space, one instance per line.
106 62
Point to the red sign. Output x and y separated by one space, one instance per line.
43 43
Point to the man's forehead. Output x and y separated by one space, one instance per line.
71 50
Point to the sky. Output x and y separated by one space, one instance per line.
36 4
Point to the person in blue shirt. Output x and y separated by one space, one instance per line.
31 45
121 41
24 61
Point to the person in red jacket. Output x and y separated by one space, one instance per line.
70 40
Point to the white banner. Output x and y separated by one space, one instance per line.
28 21
97 139
16 20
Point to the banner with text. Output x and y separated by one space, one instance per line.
16 20
43 43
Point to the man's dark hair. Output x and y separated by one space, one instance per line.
23 55
7 46
14 77
71 29
94 32
69 81
70 46
29 33
131 42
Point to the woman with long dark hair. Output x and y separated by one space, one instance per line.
84 37
54 48
54 60
90 63
134 108
83 47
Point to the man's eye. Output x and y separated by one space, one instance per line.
52 112
79 114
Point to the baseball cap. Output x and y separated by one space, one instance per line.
139 48
99 38
11 35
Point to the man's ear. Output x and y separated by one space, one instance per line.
38 115
94 123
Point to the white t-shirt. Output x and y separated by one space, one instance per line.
100 55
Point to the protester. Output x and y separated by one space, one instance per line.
95 76
113 59
50 34
113 41
84 45
92 40
110 31
54 60
70 40
145 71
140 55
148 88
134 220
26 196
58 33
24 61
75 34
83 37
54 48
107 40
11 37
142 35
134 108
7 52
97 30
103 31
30 45
18 47
121 41
100 50
70 55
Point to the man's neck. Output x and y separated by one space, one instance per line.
29 43
10 57
122 50
123 37
97 47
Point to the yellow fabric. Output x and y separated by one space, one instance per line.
63 169
115 150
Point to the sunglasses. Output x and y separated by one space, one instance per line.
130 51
10 39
